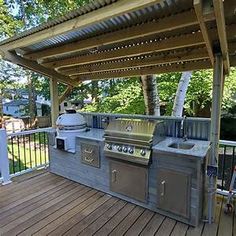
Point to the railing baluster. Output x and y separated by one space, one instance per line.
223 169
40 154
45 151
19 154
12 154
25 161
35 151
30 152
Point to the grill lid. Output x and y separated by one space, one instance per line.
131 129
70 121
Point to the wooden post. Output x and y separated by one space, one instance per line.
4 161
54 101
218 78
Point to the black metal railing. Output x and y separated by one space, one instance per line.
227 161
27 150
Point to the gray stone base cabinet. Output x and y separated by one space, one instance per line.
173 185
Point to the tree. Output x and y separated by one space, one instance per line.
150 94
181 93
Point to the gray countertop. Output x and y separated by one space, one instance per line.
92 134
199 149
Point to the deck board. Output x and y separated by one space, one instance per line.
46 204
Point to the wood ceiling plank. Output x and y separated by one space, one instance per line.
172 43
195 54
199 12
115 9
195 65
11 57
220 22
159 26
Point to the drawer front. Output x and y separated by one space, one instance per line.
90 154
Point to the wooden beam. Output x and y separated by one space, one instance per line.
172 43
220 22
195 65
14 58
65 94
54 101
188 55
115 9
215 134
159 26
199 12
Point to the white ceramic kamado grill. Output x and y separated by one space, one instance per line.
68 127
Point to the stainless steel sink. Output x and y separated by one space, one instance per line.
181 145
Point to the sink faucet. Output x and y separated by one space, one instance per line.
183 128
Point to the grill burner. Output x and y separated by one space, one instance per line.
132 140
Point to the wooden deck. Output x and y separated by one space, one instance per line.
45 204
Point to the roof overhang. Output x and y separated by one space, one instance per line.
120 38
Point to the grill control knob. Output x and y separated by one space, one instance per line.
131 150
109 146
125 149
119 148
143 152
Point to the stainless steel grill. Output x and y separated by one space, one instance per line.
132 140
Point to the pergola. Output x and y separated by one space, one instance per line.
123 38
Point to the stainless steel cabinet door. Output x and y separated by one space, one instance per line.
129 180
173 191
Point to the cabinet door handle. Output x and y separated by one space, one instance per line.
163 188
88 159
88 151
113 176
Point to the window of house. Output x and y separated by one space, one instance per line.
65 104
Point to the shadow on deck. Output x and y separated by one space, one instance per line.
42 203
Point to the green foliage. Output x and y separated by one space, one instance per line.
229 98
8 24
122 96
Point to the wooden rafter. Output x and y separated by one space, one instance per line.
195 65
172 43
205 33
159 26
14 58
188 55
117 8
220 22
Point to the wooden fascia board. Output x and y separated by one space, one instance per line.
14 58
195 65
165 24
195 54
221 28
172 43
205 33
118 8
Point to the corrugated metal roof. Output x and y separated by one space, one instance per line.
126 20
94 5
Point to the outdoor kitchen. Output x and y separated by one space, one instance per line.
157 164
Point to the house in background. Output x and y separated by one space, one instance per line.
18 108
